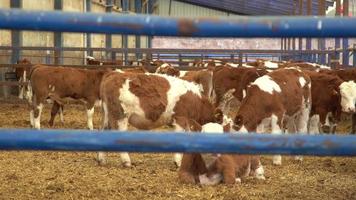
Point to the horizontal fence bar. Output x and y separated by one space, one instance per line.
242 26
139 141
161 50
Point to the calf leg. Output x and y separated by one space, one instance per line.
179 126
353 131
114 118
192 166
302 124
37 116
314 122
90 113
54 111
21 89
256 168
61 113
276 130
125 158
32 118
229 174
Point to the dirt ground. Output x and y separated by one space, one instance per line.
73 175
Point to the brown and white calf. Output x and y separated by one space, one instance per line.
282 95
92 61
204 78
330 96
22 75
57 83
58 108
348 75
230 86
229 168
148 101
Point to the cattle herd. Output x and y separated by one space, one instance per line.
261 96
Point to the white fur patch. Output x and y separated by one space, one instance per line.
233 65
178 87
243 93
130 101
247 66
90 58
259 173
302 81
348 96
213 180
266 84
271 65
313 64
182 73
119 71
212 128
243 130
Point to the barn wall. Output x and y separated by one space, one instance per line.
73 39
36 38
98 40
5 36
181 9
5 39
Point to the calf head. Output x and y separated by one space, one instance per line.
166 68
348 96
23 61
239 124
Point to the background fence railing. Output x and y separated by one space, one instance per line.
195 142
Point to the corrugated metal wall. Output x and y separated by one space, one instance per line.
180 9
43 39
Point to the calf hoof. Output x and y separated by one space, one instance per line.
237 180
101 161
260 177
127 164
298 158
277 160
177 164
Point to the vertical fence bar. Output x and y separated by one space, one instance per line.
309 40
16 35
58 37
125 8
354 55
108 37
138 9
88 35
337 40
345 41
321 41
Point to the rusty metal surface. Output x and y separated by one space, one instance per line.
139 141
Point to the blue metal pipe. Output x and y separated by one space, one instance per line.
164 26
345 52
69 140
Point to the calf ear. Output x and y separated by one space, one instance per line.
335 93
238 122
218 116
194 126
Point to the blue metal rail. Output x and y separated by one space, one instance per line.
162 26
66 140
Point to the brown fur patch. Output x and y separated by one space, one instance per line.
259 104
152 93
326 95
192 106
